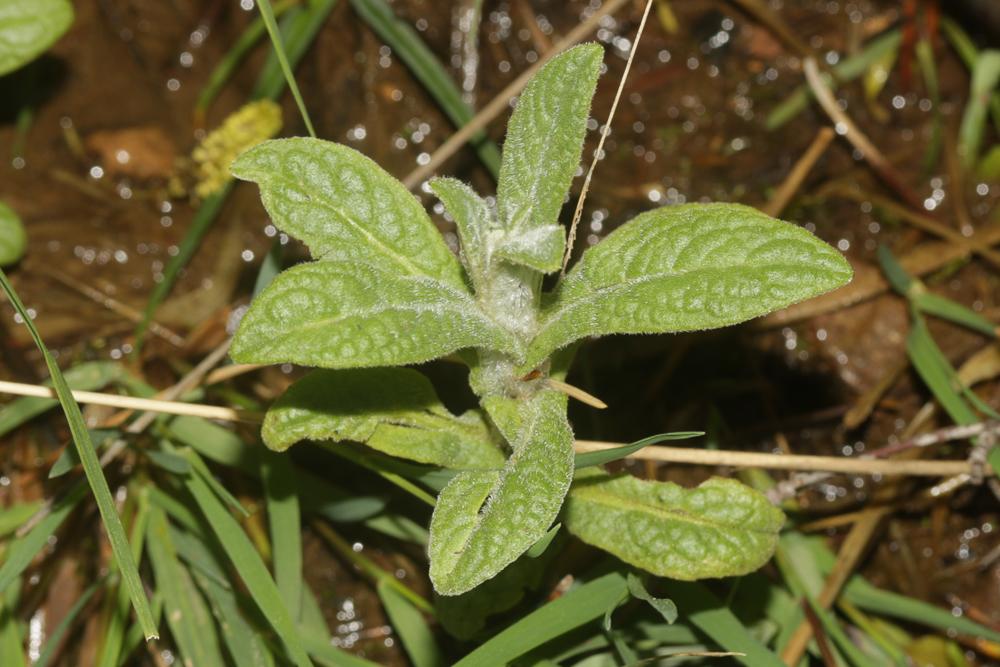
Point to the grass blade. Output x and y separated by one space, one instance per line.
190 622
285 524
412 628
608 455
699 607
299 28
580 605
249 565
11 649
405 41
11 518
56 636
23 550
242 639
985 76
237 52
267 14
92 469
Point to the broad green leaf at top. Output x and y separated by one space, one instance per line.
28 28
684 268
721 528
348 314
541 152
484 520
393 410
13 240
345 207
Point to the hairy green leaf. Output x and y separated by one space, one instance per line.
474 219
342 314
393 410
484 520
345 207
13 240
682 268
719 529
29 27
542 149
540 248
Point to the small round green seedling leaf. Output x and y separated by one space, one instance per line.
28 28
393 410
719 529
13 240
685 268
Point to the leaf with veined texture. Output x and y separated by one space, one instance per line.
721 528
474 219
689 267
345 207
484 520
393 410
29 27
542 149
343 314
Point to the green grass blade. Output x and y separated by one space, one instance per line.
200 225
23 550
11 648
946 309
92 469
242 640
405 41
985 77
699 607
55 638
968 52
580 605
134 635
299 28
267 14
13 517
608 455
846 70
236 54
114 634
412 628
188 617
285 524
249 565
928 67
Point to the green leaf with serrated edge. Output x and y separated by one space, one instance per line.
544 142
393 410
345 207
474 219
28 28
688 267
719 529
484 520
13 240
338 314
540 248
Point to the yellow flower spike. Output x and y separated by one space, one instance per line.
244 128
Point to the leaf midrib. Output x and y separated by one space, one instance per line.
600 496
377 243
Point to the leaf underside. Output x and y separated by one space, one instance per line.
684 268
721 528
393 410
484 520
